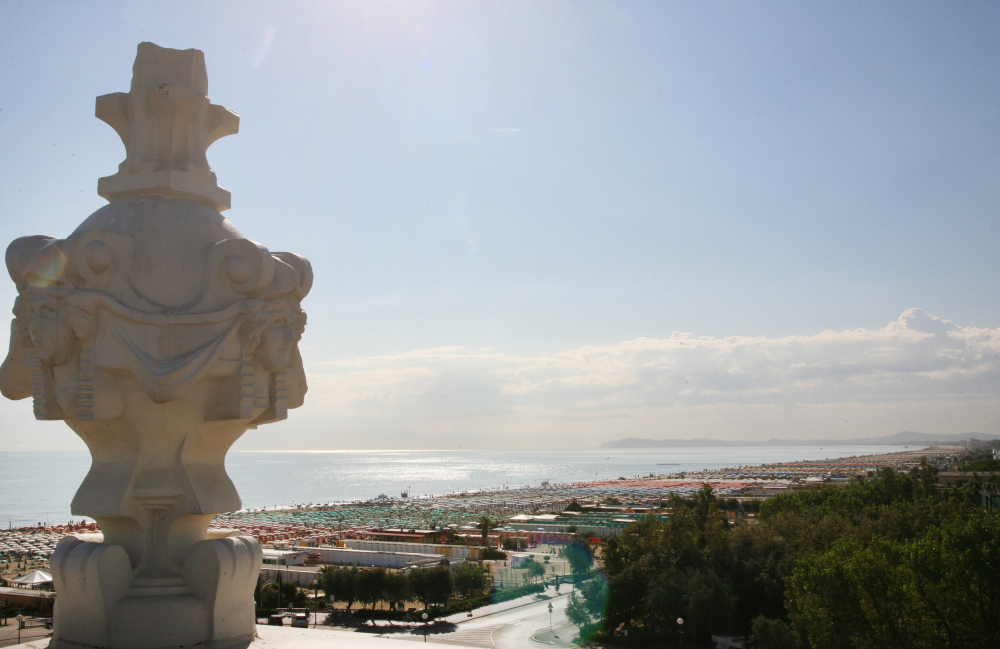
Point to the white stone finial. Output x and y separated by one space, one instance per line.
159 334
166 123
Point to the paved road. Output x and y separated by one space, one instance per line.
532 627
8 634
515 628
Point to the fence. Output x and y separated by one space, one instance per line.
36 623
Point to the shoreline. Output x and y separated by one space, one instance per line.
458 509
729 480
652 470
847 466
523 508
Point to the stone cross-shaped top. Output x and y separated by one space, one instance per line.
166 123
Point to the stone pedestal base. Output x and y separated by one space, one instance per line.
100 603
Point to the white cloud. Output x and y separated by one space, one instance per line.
919 372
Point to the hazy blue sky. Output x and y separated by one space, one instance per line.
512 207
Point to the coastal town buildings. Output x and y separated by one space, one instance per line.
410 533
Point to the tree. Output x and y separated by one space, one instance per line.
419 585
710 606
327 579
470 577
985 464
485 525
536 570
885 561
586 608
660 599
769 633
956 575
756 560
578 555
442 585
281 594
370 586
866 594
339 584
397 587
928 476
432 585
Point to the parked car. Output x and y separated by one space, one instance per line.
301 620
276 620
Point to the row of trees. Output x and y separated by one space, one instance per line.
889 561
375 587
279 594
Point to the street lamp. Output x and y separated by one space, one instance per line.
680 630
19 618
315 585
424 616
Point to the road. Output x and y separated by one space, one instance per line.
9 636
514 628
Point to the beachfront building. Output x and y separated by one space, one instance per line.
405 535
27 599
958 479
276 557
473 553
562 528
767 490
382 558
300 566
304 575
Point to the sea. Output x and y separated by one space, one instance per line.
37 486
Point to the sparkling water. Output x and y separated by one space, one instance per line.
37 487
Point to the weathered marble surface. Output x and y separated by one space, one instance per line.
159 334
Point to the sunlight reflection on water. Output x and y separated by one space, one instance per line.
38 486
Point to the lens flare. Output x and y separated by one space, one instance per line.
46 267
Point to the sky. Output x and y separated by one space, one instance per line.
556 224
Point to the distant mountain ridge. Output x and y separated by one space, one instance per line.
899 439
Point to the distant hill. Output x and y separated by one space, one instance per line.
899 439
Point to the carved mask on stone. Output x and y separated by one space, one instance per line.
49 329
279 337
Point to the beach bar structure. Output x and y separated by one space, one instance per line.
346 557
437 549
24 599
405 535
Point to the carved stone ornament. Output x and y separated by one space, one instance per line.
159 334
